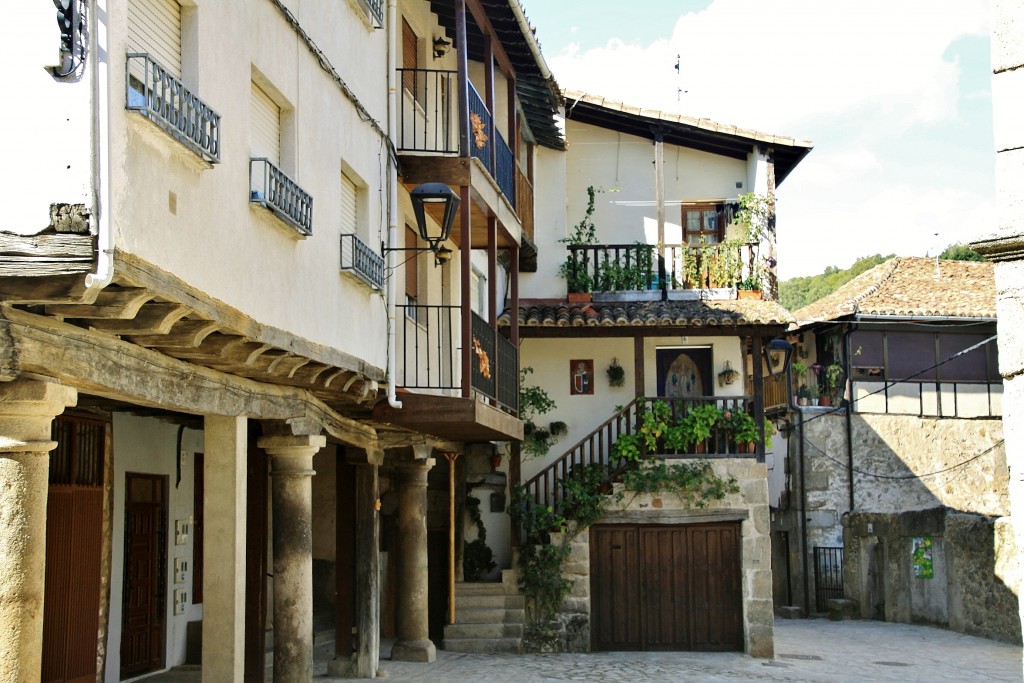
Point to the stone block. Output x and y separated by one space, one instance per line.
570 569
1008 109
760 583
760 612
841 608
575 605
754 492
761 641
1009 191
789 612
580 587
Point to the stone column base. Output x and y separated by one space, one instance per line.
342 667
414 651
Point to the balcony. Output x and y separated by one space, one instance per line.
270 188
624 272
362 261
428 126
160 97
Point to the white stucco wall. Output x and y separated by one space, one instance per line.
147 446
550 358
48 141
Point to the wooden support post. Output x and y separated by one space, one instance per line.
757 356
638 366
451 458
465 281
462 76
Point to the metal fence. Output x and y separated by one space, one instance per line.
828 575
271 188
362 261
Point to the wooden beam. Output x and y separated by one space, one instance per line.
151 319
118 304
186 334
62 288
52 246
484 23
434 169
112 368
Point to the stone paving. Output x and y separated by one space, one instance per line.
810 651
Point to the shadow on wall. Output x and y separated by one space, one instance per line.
940 566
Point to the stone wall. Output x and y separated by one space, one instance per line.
750 505
895 458
975 571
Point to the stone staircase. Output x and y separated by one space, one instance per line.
489 617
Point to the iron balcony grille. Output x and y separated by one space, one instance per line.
427 120
153 92
505 171
362 261
272 189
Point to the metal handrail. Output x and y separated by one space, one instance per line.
152 91
362 261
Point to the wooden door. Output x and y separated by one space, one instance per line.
74 542
666 587
145 574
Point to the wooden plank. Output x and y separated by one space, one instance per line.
453 171
186 334
42 266
57 288
450 417
61 245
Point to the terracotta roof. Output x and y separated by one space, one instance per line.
909 287
550 313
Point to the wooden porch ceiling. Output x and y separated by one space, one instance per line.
449 417
155 310
485 198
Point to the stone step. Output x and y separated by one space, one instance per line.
489 588
484 645
488 615
503 601
482 631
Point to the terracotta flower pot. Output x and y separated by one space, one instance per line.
579 297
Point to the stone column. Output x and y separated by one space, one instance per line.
27 409
413 644
225 440
291 462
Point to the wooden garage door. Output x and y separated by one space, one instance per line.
666 587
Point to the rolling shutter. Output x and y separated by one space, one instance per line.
265 135
154 26
409 56
348 205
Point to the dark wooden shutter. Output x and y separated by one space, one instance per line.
199 487
410 58
411 268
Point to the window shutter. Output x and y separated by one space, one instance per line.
348 205
411 269
409 56
154 26
266 126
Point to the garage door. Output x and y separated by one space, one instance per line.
657 587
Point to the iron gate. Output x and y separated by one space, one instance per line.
828 575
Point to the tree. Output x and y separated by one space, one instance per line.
961 252
797 292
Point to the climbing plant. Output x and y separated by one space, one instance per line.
477 557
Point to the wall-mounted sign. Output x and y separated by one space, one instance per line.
921 554
581 376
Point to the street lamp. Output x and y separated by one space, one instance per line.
780 353
434 193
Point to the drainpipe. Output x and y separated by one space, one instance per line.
392 281
101 151
803 522
847 332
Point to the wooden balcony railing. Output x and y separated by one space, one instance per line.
524 202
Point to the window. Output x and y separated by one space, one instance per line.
412 289
349 210
703 223
897 356
265 132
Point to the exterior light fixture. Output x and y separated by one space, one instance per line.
439 194
780 353
441 45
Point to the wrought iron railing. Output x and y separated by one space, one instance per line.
426 117
156 94
630 267
429 357
596 448
508 375
480 127
484 360
361 260
272 189
505 169
828 575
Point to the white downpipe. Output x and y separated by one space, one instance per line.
392 280
101 152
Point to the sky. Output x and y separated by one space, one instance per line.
895 96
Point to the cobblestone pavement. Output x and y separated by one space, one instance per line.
810 651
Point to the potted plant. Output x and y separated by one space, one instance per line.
558 428
742 428
749 287
578 279
616 373
803 394
728 374
698 424
833 377
814 394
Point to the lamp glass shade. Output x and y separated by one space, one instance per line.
434 193
780 352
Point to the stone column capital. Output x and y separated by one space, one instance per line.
292 445
27 409
414 472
